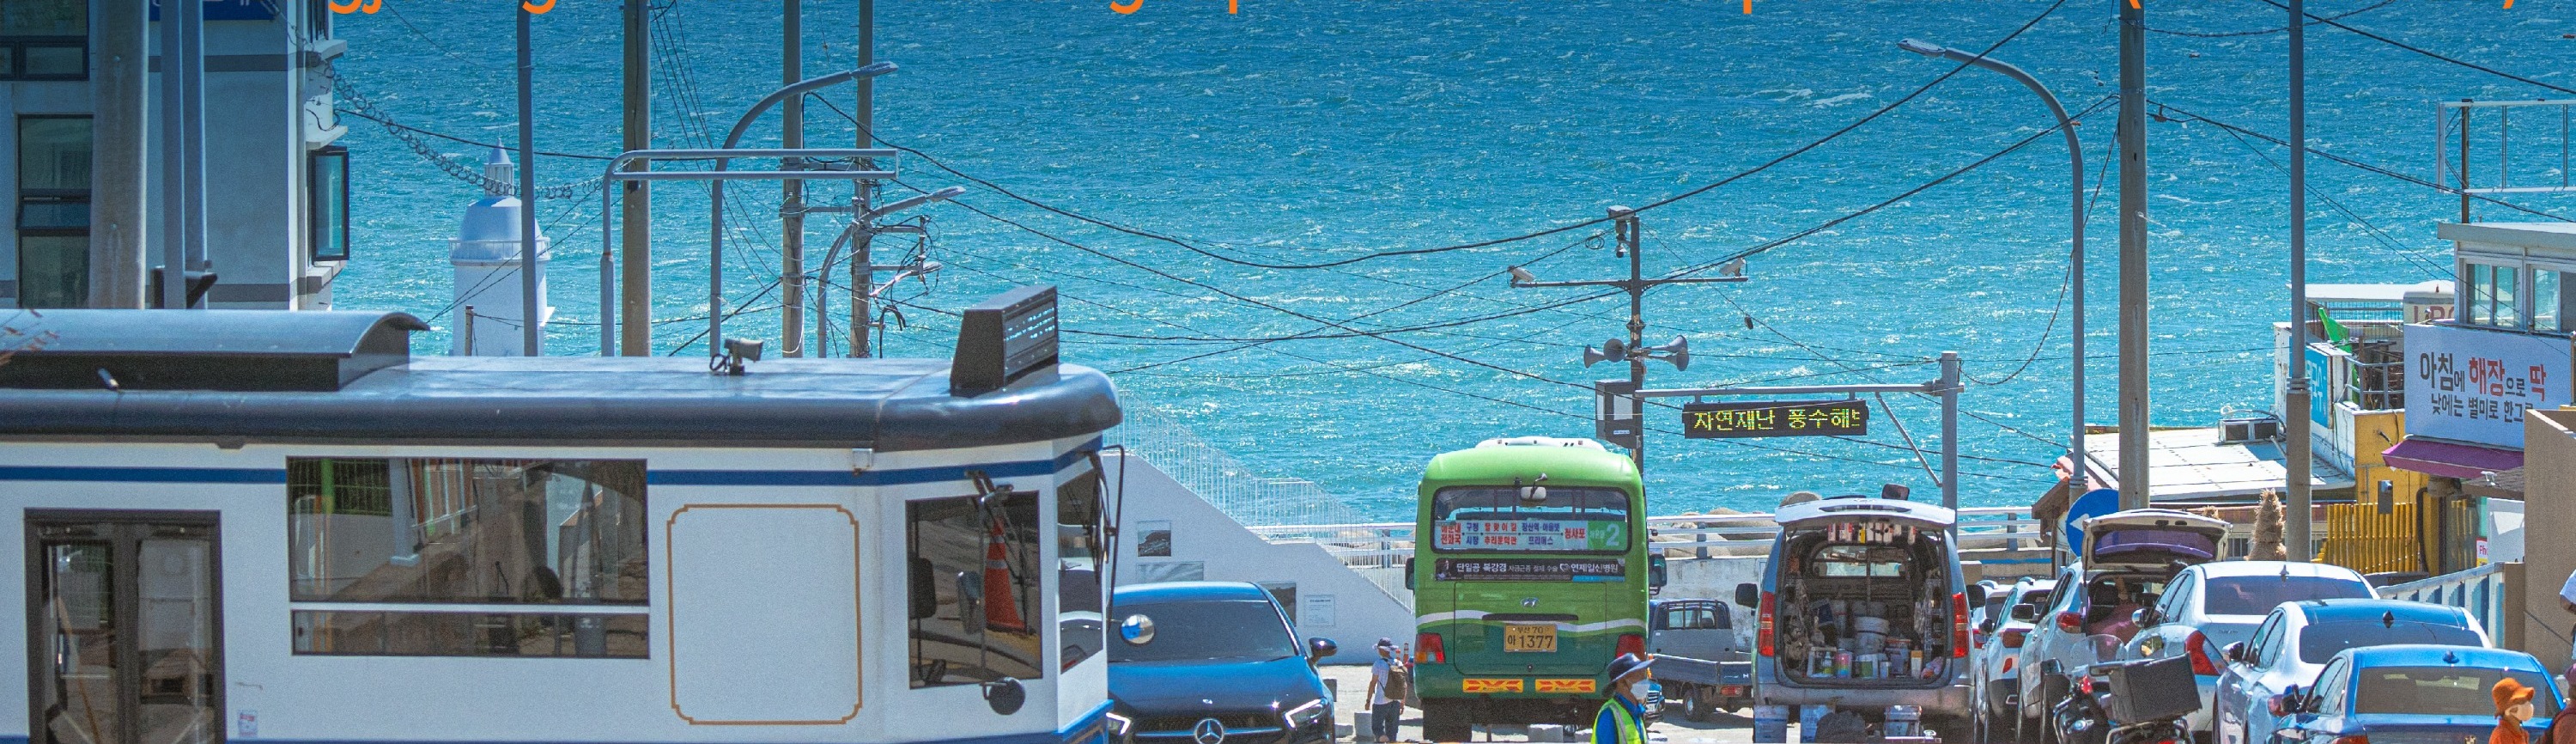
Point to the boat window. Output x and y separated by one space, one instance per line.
44 40
2256 595
2444 691
975 602
1078 515
456 557
1567 519
1208 629
2321 641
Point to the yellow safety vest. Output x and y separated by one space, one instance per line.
1628 729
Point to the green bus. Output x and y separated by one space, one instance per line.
1530 573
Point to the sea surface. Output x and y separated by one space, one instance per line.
1307 131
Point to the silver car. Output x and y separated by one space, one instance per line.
2127 558
1995 661
2294 643
2211 605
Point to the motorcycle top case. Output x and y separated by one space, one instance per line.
2150 690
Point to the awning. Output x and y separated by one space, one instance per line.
2449 460
2502 484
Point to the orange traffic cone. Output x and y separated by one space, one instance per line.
1001 603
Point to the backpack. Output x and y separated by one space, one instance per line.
1399 681
2550 735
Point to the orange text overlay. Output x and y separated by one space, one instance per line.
370 6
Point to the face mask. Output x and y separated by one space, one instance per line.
1637 691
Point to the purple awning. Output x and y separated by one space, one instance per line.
2451 460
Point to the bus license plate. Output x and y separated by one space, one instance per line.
1529 638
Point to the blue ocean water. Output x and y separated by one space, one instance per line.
1305 131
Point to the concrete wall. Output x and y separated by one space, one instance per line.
2549 499
1333 601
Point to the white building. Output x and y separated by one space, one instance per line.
276 185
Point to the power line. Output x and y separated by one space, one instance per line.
2189 116
2261 32
2428 53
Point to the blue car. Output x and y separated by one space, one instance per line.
2411 693
1207 662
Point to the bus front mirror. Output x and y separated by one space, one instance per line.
1005 695
1748 596
1655 572
1136 630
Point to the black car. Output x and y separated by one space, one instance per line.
1207 662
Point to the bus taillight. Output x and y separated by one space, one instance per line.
1631 643
1763 636
1427 650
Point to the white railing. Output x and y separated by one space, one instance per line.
1381 544
1250 498
2479 590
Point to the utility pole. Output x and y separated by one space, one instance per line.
182 214
2302 519
531 341
1627 229
2133 255
862 269
122 140
791 208
636 305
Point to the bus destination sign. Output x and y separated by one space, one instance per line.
1775 418
1530 569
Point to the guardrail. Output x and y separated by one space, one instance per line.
2491 593
1388 544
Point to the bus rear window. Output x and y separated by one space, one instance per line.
1500 519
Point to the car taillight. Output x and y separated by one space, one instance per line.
2084 684
1631 643
2015 637
1959 621
2008 664
2352 740
1427 650
2070 622
2197 646
1762 636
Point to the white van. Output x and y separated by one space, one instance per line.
1863 606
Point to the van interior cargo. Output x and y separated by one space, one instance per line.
1866 603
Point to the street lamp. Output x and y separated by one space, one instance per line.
2075 456
792 284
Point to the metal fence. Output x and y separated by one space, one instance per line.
1382 544
2491 593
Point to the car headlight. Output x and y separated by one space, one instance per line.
1120 726
1306 715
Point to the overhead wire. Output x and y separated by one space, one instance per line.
2265 31
2429 53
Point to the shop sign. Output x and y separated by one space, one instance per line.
2472 385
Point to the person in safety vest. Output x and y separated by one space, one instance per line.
1623 716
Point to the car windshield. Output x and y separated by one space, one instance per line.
2257 595
2442 691
1212 629
2320 642
1478 519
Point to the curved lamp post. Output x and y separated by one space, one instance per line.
2075 456
715 189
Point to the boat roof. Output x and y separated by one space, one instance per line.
230 377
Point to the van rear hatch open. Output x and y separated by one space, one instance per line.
2151 538
1866 594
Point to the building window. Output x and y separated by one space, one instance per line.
326 192
44 40
974 583
2548 300
449 557
53 211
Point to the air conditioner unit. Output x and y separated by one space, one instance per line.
2251 429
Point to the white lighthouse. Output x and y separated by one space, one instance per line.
486 255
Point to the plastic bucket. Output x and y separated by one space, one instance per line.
1904 720
1770 724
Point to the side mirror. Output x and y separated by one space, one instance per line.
970 601
2235 652
1655 572
1748 596
1318 648
2025 613
1408 573
2145 617
924 589
2288 702
1976 595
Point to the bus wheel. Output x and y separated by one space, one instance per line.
1446 721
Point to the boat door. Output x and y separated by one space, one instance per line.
122 624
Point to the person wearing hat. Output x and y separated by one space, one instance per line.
1384 710
1623 715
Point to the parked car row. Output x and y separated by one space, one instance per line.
2282 652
